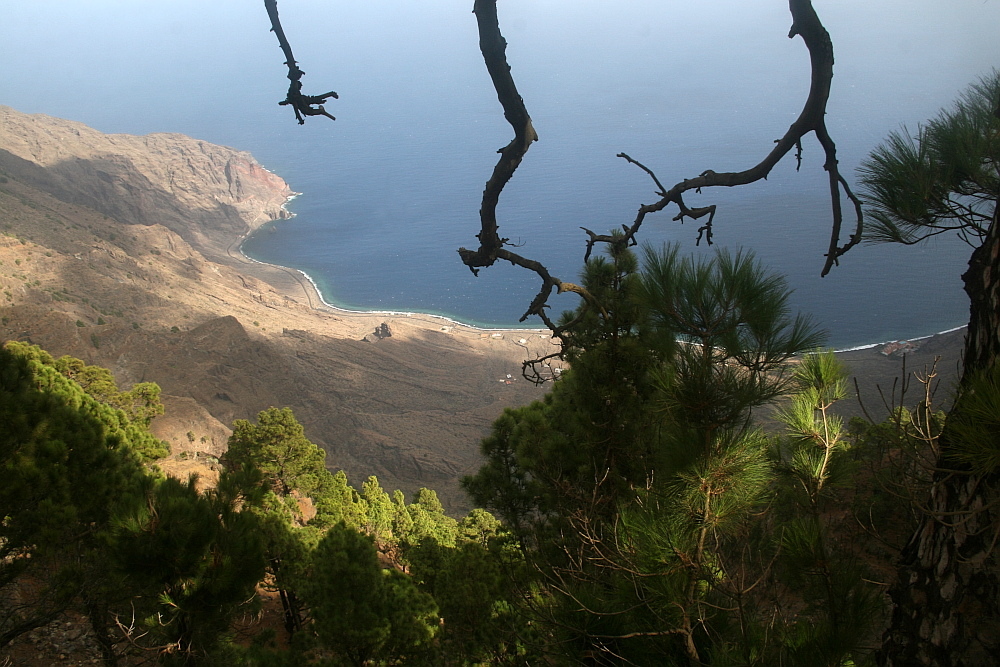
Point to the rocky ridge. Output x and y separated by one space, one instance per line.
207 194
120 250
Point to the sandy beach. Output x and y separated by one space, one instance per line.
878 380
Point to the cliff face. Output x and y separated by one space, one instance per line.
209 195
114 248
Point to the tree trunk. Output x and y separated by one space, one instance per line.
98 616
290 606
947 595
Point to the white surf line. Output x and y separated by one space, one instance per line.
390 313
454 322
868 346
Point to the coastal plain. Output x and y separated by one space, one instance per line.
124 251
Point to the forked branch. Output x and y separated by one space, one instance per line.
303 105
491 245
812 118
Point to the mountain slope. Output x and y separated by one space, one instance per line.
120 250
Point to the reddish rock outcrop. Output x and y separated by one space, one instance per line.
209 195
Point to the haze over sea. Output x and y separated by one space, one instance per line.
392 188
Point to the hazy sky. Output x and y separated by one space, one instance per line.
139 62
682 85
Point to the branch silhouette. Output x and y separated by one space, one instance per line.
805 24
303 105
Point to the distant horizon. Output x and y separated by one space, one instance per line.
391 189
521 327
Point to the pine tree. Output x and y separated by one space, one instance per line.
379 518
841 607
360 611
193 562
66 463
273 467
637 484
946 179
277 447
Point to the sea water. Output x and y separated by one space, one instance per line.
392 188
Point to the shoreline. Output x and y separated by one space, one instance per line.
312 291
876 377
315 300
868 346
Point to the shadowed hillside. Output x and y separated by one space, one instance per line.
120 250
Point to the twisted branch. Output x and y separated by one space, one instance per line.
805 24
812 118
491 245
303 105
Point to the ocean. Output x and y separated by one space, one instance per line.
392 188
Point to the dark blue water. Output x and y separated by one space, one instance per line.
392 188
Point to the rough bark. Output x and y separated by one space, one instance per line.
947 594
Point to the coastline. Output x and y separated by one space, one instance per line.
868 346
868 365
308 287
314 296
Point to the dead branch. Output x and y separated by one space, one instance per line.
805 24
491 245
303 105
812 118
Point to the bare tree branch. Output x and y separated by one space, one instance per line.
491 245
303 105
812 118
805 24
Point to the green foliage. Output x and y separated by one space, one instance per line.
733 316
817 435
478 526
975 424
66 462
430 521
402 521
277 448
196 559
360 611
604 423
272 468
502 484
338 501
379 519
471 586
636 487
841 605
129 413
940 179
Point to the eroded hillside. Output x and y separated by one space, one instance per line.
122 251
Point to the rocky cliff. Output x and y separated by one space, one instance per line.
208 195
117 249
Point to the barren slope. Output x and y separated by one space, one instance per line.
119 250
